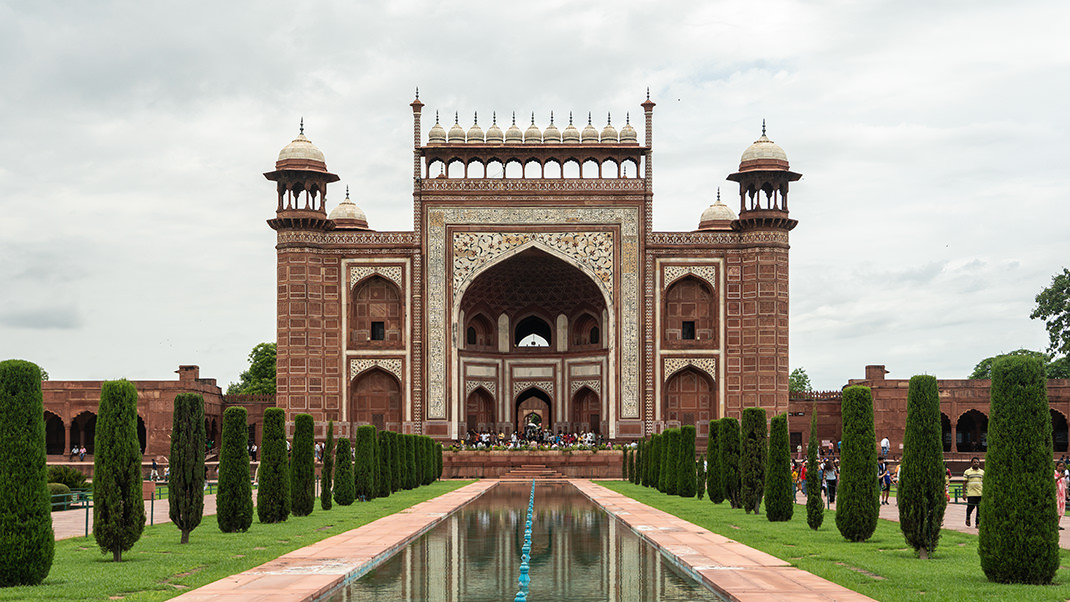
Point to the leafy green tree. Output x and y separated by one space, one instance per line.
185 486
386 466
920 497
670 462
729 440
273 495
714 469
1053 306
779 488
858 496
1018 538
1058 368
303 466
118 510
327 470
685 486
366 466
799 381
754 449
234 499
815 509
27 542
259 379
344 488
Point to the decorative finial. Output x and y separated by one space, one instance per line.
436 117
417 92
609 119
302 126
570 117
475 117
763 126
551 117
718 194
347 192
588 118
514 117
533 118
494 118
648 92
457 117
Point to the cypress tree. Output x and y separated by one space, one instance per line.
410 478
303 466
118 510
344 490
1018 539
632 457
396 474
27 542
685 486
273 495
185 486
920 497
234 499
624 464
429 459
669 477
422 457
365 467
779 488
438 460
385 465
648 460
729 440
858 495
754 450
327 470
659 454
714 469
700 479
815 509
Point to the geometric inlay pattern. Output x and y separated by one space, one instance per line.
594 385
391 365
592 249
391 272
706 272
676 364
521 385
472 385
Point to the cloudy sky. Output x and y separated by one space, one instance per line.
933 206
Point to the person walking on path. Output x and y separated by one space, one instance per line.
974 477
884 477
832 472
1060 492
886 446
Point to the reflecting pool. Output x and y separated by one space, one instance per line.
579 553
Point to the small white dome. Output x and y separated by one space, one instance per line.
348 216
571 135
456 132
437 134
475 133
628 134
589 134
301 150
513 135
551 134
494 133
609 133
717 216
533 134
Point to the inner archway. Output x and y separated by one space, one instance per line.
54 434
586 411
1058 431
945 431
972 432
533 412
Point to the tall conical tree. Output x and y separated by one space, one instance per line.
344 489
27 542
685 487
185 486
779 488
327 470
815 508
273 493
396 447
714 470
1019 526
409 480
303 466
365 467
920 496
670 459
729 439
118 510
385 465
438 460
858 495
234 499
754 449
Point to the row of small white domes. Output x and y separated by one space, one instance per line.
533 135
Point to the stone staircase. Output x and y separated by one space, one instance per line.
527 472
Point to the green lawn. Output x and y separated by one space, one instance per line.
883 568
158 567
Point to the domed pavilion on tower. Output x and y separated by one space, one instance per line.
532 288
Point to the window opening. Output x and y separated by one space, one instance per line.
378 331
687 330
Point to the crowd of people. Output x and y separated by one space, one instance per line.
531 437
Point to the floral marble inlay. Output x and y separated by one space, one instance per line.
522 385
471 250
706 272
391 365
390 272
676 364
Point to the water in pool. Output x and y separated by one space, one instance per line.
579 553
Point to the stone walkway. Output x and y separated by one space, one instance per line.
72 523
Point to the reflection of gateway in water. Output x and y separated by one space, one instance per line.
578 553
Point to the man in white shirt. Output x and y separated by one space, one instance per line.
885 447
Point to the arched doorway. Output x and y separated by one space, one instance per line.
1058 431
972 432
945 431
689 398
375 398
83 429
586 411
533 411
55 442
479 412
142 434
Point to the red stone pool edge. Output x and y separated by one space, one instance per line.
727 566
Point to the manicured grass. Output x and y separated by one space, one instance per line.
883 568
158 567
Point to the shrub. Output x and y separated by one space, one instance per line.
303 466
365 466
327 470
714 469
396 447
754 449
273 495
234 499
815 508
685 486
386 465
668 477
55 489
920 494
411 478
72 478
438 460
779 488
858 495
700 479
344 490
729 440
185 486
27 542
1019 537
118 510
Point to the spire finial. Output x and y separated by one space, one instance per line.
494 118
588 118
302 126
514 117
475 117
457 117
648 92
570 117
763 126
609 118
551 117
347 192
627 119
718 194
533 118
436 116
417 92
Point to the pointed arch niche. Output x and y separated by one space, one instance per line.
375 398
689 397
